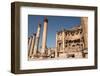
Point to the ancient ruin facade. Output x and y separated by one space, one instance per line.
70 43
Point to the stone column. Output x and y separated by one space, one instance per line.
56 50
63 36
84 23
32 45
29 44
44 37
37 40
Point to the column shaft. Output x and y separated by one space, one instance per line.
32 45
37 40
29 44
44 38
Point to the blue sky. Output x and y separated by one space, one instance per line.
55 23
